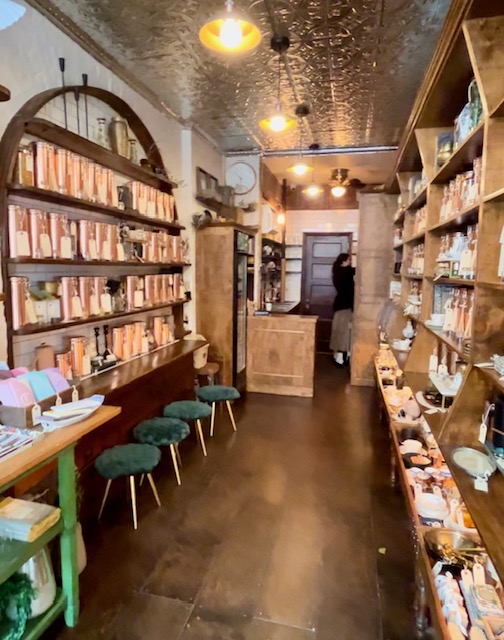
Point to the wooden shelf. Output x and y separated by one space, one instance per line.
51 132
53 197
498 286
418 201
15 553
493 376
463 157
217 207
418 237
496 196
105 263
399 216
450 342
410 277
31 329
467 216
459 282
419 382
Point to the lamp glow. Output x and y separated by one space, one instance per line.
338 191
300 168
230 33
281 218
313 190
278 122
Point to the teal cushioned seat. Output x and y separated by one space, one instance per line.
217 393
127 460
187 410
161 432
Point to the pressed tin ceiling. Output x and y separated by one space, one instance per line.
358 63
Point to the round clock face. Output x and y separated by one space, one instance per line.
242 177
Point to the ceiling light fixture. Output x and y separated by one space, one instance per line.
230 33
300 168
313 190
338 191
339 182
279 121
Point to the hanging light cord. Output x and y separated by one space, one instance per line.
279 78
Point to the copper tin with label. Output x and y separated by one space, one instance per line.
25 173
57 224
37 223
40 153
85 290
19 294
69 289
118 342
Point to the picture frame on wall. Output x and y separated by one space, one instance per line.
206 184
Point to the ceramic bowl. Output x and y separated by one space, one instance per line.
437 319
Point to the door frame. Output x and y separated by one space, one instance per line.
349 235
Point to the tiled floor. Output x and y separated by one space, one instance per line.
287 531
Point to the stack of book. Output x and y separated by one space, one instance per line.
12 440
24 520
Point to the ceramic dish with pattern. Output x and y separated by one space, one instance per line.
474 462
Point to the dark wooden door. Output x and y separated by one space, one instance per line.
320 250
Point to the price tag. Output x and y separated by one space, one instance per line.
93 253
59 401
77 311
138 299
22 243
66 248
106 303
94 308
45 245
479 574
480 484
31 316
120 252
106 250
36 413
437 568
483 433
75 394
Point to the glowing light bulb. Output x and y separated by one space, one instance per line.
338 191
231 34
278 122
300 169
312 191
281 218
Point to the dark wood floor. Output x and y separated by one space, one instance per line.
287 531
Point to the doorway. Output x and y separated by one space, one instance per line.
320 250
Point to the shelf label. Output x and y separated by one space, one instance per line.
94 309
482 433
22 243
480 484
106 250
120 252
66 248
45 245
31 316
93 254
138 299
77 311
106 302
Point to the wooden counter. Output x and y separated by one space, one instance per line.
281 354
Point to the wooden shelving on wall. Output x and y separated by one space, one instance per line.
483 56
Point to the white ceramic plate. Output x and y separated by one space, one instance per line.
454 632
431 506
475 463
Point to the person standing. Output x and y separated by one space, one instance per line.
343 280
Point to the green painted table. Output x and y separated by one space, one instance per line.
58 445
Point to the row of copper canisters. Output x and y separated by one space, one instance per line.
39 234
461 192
88 296
128 341
51 168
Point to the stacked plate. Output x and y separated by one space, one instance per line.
431 507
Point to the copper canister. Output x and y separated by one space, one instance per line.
139 334
160 214
157 329
171 205
101 184
150 196
87 235
176 252
112 239
60 159
19 237
142 198
77 350
52 180
39 239
90 189
64 364
171 294
25 174
118 342
158 282
69 295
101 237
149 290
85 287
165 286
129 330
19 293
56 231
176 286
40 153
166 336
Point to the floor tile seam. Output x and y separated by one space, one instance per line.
287 626
143 592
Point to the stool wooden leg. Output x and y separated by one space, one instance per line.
141 479
200 434
212 420
133 501
109 482
179 459
230 411
154 490
175 466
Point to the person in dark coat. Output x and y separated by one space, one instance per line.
343 280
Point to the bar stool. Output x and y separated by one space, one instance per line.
189 410
163 432
128 460
213 394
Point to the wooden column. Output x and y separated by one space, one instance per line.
374 269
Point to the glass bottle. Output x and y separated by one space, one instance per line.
101 133
133 151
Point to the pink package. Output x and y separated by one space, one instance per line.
59 383
19 371
13 393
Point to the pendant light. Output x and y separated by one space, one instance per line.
338 182
10 12
313 189
301 168
279 121
230 32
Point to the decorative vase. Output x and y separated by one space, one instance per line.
40 572
81 548
118 133
408 332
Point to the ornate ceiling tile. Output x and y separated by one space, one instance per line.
358 63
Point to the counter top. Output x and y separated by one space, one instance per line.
284 307
286 316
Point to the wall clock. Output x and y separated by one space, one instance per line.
242 177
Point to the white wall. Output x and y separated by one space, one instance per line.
29 51
307 221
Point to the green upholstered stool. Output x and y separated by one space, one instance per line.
163 432
215 393
128 460
189 410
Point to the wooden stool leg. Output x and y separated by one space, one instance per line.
141 479
230 411
175 466
133 502
154 490
109 482
179 459
200 434
212 421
